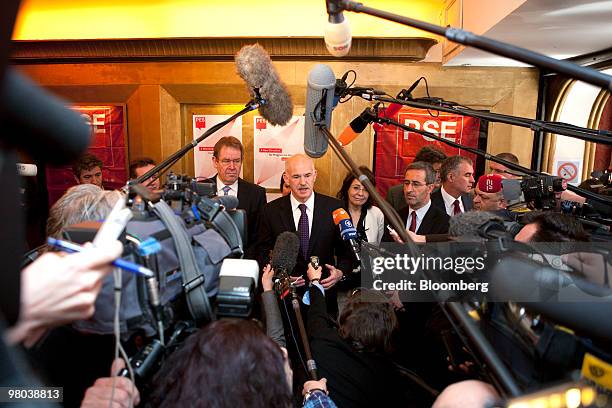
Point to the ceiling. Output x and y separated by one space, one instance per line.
557 28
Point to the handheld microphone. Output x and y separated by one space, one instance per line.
319 106
357 126
284 258
337 31
347 230
255 68
25 169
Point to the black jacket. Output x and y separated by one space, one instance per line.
252 199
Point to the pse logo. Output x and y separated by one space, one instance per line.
260 123
442 127
96 121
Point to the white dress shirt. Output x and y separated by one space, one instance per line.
449 200
233 188
374 225
420 214
295 210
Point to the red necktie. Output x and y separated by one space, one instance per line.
412 221
456 208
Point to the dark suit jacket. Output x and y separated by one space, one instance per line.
325 241
252 199
438 201
434 222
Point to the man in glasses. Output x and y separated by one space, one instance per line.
139 167
228 155
420 216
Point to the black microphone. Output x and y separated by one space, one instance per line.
40 123
255 68
285 253
337 30
319 106
568 300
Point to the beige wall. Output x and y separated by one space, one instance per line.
161 96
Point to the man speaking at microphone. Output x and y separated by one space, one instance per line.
310 215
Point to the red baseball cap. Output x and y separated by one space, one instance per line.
490 183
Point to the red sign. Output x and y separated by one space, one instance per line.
206 148
395 148
108 143
200 122
260 123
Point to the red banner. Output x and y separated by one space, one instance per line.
395 148
108 144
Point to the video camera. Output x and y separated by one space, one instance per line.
192 243
539 192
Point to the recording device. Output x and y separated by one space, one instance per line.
600 182
314 261
347 230
255 68
337 31
319 106
540 192
237 287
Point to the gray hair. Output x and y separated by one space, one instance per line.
451 165
83 202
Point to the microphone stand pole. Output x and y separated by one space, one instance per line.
589 135
483 345
311 365
252 105
459 36
478 152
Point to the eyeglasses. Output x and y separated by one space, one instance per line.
226 162
415 184
358 188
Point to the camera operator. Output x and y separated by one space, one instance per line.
354 357
488 196
551 227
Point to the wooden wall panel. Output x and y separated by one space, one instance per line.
162 96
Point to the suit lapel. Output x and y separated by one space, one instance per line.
286 214
425 226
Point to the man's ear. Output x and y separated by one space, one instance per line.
314 176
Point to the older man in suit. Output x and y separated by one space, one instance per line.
457 174
310 215
420 216
228 155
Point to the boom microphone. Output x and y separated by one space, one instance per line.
347 230
357 126
285 252
319 106
255 68
39 123
337 31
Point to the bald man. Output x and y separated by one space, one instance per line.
310 215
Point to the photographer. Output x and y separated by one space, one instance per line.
551 227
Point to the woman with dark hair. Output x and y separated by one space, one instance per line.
229 363
367 218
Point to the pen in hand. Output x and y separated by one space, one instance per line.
71 247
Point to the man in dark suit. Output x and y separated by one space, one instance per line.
428 154
420 216
310 215
227 159
454 197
